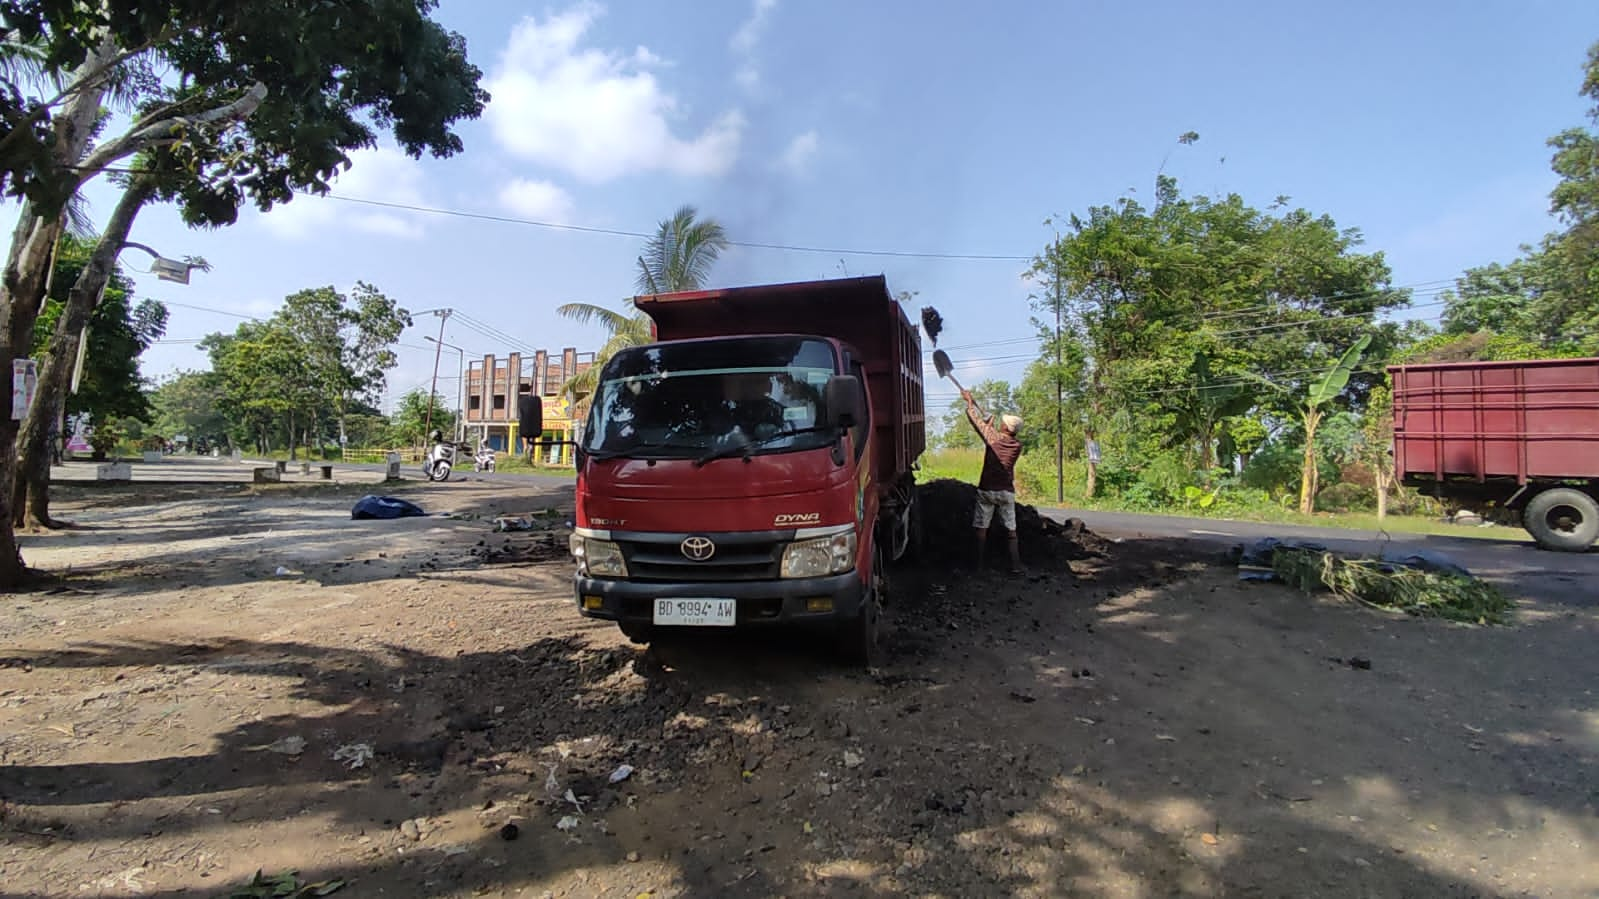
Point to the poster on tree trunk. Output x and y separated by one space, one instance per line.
24 382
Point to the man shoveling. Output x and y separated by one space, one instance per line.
996 488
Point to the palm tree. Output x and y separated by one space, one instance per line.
677 257
680 255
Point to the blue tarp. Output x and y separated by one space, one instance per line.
384 507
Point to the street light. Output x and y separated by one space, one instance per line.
460 388
164 268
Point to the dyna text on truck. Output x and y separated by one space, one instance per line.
755 466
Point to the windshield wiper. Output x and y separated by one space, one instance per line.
747 446
602 455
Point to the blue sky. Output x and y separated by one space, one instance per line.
909 126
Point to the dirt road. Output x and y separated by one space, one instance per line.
415 709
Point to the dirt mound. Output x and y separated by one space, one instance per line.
946 509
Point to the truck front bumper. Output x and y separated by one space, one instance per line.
795 601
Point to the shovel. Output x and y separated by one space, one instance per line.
945 368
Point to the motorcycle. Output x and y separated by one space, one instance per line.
484 460
440 459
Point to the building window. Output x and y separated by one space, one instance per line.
474 402
499 401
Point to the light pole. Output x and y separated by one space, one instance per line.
460 388
444 316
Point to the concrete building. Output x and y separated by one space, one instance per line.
493 386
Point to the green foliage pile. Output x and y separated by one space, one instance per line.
1413 591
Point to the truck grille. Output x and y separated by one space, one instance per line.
662 560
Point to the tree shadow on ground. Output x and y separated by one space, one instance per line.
1145 728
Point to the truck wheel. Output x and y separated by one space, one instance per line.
638 632
1562 519
857 638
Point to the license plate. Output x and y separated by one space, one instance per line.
696 612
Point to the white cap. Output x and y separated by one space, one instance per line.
1011 423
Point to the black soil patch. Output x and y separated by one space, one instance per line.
948 540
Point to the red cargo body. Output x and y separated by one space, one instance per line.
858 312
1483 420
1522 436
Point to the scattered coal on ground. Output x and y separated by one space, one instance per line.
947 540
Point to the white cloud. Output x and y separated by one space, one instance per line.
539 200
594 113
800 151
749 33
384 174
746 39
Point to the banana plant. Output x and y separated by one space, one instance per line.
1313 409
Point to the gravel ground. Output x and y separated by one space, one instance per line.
414 708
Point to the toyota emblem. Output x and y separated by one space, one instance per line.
698 549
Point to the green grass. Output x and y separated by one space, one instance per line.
966 465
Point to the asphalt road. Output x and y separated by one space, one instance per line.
1518 566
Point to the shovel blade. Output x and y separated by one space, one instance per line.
942 364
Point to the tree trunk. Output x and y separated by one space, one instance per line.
1382 497
1309 476
22 286
61 355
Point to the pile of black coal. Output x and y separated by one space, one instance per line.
948 541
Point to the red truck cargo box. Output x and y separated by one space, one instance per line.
859 312
1482 420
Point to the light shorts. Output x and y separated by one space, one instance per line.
988 501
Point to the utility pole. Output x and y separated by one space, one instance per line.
1060 432
438 347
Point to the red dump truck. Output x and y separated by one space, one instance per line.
1522 436
755 465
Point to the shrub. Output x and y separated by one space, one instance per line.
1346 497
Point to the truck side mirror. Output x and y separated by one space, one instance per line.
530 416
842 399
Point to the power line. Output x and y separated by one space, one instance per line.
1429 288
619 232
1317 320
209 309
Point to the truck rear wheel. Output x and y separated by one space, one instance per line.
1562 519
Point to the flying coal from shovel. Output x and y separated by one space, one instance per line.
933 325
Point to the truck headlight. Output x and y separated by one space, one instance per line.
820 556
600 558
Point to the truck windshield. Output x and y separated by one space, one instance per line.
688 400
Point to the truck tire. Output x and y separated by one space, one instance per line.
1562 519
637 632
857 638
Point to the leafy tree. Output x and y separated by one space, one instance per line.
1182 313
230 105
408 425
120 330
677 257
1549 297
994 397
301 371
1200 405
190 403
